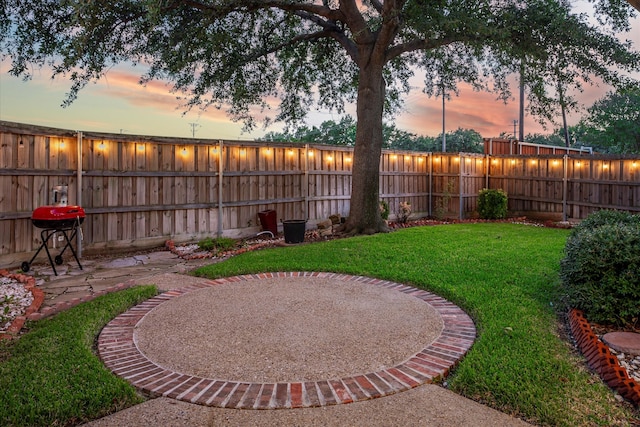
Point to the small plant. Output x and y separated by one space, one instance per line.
404 211
384 209
492 204
5 309
599 272
442 205
219 244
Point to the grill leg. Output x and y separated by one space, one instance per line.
27 264
49 234
45 235
69 245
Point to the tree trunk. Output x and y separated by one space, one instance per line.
364 215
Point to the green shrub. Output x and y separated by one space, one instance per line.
384 209
219 244
600 272
492 204
603 217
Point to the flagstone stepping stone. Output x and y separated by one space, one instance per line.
625 342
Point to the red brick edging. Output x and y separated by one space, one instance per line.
119 352
38 298
600 358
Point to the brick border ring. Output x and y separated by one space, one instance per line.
118 351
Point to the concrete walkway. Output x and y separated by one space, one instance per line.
423 405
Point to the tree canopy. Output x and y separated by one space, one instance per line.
613 122
344 133
252 57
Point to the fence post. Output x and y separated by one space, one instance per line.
487 166
565 178
305 189
430 184
461 201
79 191
220 182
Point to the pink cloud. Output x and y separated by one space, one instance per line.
124 84
470 110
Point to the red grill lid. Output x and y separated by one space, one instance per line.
57 216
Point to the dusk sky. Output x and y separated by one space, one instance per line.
118 104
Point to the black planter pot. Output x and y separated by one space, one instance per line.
294 230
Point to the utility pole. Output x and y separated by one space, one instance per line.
194 127
521 130
515 125
444 135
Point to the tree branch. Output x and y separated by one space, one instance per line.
313 13
252 5
377 5
356 22
298 39
420 44
390 25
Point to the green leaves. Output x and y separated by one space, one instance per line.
492 204
244 55
344 133
613 122
601 269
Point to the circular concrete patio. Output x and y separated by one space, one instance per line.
286 340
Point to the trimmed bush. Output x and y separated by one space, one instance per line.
603 217
601 270
492 204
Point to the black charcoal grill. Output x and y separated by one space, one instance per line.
65 220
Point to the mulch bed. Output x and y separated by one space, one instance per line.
38 298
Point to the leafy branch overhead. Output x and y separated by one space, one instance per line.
239 54
250 57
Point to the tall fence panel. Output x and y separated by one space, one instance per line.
403 178
472 180
445 185
328 188
533 183
601 182
456 178
567 187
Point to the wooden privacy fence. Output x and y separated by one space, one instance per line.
139 191
566 187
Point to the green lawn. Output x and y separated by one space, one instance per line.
51 375
504 275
